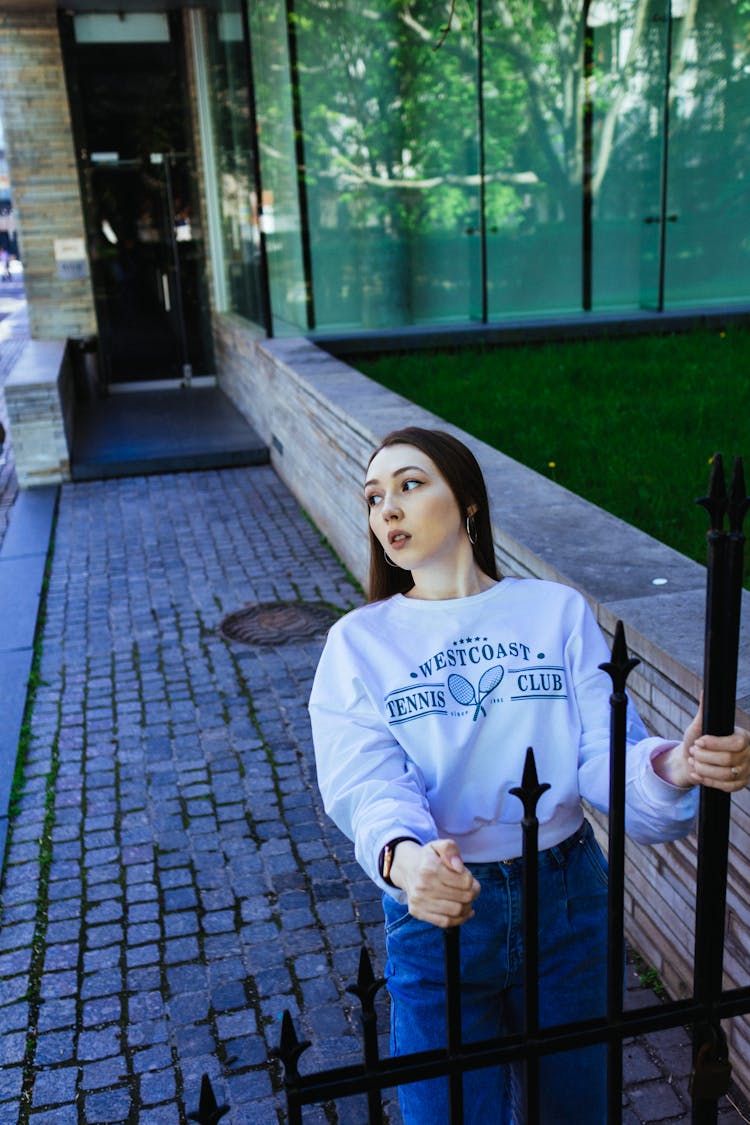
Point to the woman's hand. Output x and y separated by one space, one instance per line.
717 761
439 888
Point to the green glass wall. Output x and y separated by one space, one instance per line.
671 91
392 157
627 89
280 183
532 102
234 169
532 159
708 243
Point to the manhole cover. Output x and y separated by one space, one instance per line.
277 623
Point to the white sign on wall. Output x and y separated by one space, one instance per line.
70 256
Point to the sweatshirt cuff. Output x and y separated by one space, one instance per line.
656 788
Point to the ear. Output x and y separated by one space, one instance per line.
472 510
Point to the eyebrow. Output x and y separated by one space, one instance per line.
398 473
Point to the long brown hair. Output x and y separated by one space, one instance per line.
460 470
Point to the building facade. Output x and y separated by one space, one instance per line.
335 168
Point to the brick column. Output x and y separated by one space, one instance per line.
41 156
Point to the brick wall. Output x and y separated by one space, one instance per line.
321 420
42 166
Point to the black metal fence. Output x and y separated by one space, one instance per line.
703 1012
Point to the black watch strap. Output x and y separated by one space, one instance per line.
385 859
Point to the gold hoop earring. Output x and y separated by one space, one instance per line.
471 530
390 561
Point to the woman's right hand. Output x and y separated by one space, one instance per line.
439 888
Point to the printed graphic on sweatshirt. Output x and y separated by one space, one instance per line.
484 681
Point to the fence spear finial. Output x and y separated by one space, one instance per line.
208 1110
366 986
290 1047
531 788
716 501
621 665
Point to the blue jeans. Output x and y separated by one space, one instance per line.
572 986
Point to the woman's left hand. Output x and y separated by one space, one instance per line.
720 762
717 761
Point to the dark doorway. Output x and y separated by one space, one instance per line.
128 90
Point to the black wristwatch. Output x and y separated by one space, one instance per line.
385 859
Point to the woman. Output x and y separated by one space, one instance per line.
423 705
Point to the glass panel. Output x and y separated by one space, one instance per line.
389 126
278 162
147 268
142 216
533 109
629 40
234 169
126 27
392 157
708 247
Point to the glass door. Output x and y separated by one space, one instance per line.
532 110
128 94
631 56
145 266
707 247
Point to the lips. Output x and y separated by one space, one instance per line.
397 539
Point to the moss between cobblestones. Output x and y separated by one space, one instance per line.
33 684
648 975
24 739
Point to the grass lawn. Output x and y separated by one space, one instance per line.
630 424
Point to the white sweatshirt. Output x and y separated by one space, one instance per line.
422 712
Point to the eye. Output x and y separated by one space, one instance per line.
409 485
372 500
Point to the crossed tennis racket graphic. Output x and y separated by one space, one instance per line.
463 690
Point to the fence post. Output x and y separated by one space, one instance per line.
366 989
711 1068
618 669
288 1051
452 940
529 792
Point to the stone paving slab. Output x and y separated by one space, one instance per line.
172 884
14 675
20 587
23 554
28 533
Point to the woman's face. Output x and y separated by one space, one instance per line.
413 513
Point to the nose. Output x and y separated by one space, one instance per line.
389 509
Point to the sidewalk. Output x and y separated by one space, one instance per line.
171 882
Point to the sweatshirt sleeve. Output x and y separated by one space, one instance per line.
655 811
370 788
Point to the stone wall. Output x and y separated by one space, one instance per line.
42 164
321 419
39 396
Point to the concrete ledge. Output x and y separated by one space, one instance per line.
321 419
39 397
22 559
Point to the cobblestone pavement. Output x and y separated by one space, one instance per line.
171 881
14 332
